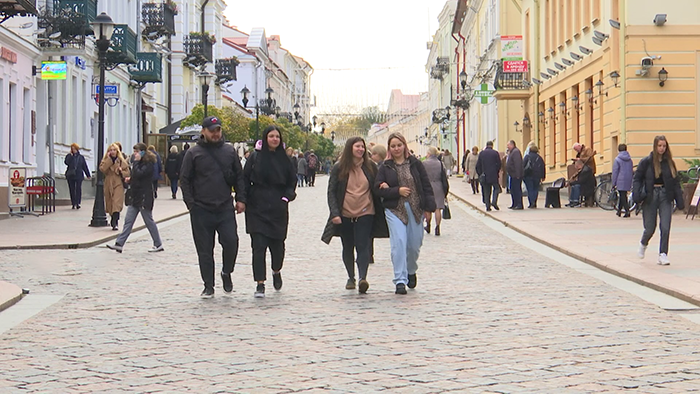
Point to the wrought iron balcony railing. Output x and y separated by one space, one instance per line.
198 49
64 27
122 49
511 80
86 9
226 70
11 8
159 19
148 67
441 68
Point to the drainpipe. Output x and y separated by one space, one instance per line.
204 4
533 69
623 71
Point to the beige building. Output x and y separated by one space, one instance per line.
612 71
407 114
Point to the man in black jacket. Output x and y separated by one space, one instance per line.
488 166
514 168
209 170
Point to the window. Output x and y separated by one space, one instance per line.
13 122
27 129
2 120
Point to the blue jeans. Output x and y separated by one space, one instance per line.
575 194
300 180
533 187
147 216
405 240
173 184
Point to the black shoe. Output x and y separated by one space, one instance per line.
226 280
412 281
208 292
518 208
350 284
174 197
511 207
401 289
115 228
496 207
260 290
72 207
363 286
437 230
77 207
626 215
618 213
488 209
427 229
277 280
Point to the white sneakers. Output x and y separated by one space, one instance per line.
663 259
156 249
641 251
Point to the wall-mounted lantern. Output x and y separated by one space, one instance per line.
663 76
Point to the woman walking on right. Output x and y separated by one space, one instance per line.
622 174
438 181
404 185
116 170
356 213
471 170
656 185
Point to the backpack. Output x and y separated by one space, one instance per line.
312 161
527 171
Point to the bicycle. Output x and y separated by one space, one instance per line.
606 197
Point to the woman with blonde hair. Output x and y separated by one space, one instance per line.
404 185
471 170
656 185
116 170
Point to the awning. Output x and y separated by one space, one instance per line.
171 128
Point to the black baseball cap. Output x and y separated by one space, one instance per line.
211 123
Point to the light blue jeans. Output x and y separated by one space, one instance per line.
405 240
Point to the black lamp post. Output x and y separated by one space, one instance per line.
333 136
205 78
296 111
103 27
245 93
323 127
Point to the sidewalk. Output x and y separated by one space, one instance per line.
601 239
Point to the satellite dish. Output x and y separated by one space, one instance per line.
55 35
537 81
615 24
552 72
567 61
585 50
576 56
559 66
600 34
597 41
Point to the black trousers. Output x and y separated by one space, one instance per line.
260 243
75 187
311 177
624 202
204 226
356 235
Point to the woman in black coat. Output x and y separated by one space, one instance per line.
141 192
356 213
75 168
271 182
404 185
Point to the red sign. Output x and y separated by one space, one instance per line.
515 66
40 190
8 55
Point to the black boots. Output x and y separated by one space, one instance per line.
114 221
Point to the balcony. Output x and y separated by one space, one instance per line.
159 19
10 8
441 68
148 68
511 85
65 26
122 49
226 70
83 12
198 48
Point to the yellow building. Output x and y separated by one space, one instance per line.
606 72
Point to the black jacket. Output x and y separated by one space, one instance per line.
488 164
387 173
76 167
173 164
202 178
643 182
141 182
336 197
587 181
537 169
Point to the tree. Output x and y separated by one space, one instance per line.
233 124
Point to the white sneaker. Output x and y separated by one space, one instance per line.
156 249
663 259
641 251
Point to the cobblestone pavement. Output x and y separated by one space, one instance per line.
487 316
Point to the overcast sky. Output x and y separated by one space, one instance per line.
360 49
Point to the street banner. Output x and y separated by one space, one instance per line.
512 47
17 191
515 66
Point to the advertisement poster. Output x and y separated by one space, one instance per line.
515 66
512 47
17 189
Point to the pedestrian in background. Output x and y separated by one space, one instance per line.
355 211
488 166
514 167
269 177
464 165
292 157
437 175
470 172
141 185
157 170
449 161
302 168
656 185
76 166
377 154
405 188
312 163
622 174
209 170
172 169
116 170
533 174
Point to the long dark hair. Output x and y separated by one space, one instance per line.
347 159
666 156
274 165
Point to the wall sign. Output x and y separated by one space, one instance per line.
8 55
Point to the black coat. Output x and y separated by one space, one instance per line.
141 183
643 182
387 173
336 197
266 212
587 181
173 164
489 164
76 165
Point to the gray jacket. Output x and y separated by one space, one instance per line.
301 166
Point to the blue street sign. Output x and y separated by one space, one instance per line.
110 90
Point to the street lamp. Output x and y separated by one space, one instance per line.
103 26
663 76
296 111
333 136
323 127
205 78
244 92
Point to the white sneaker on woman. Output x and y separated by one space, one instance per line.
640 252
663 259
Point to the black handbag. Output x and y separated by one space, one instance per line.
446 214
128 196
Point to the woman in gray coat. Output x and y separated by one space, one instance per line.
301 170
438 181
